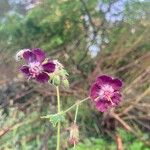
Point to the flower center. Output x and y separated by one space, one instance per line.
106 91
35 68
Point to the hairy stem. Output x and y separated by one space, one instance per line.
58 111
76 113
75 120
78 103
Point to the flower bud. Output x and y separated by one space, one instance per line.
65 83
56 80
59 76
74 134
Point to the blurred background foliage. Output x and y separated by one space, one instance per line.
90 37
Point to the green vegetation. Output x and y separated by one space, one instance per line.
68 30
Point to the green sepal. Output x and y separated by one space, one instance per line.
65 83
63 73
55 80
55 118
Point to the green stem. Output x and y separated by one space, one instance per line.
76 113
75 120
58 111
71 107
74 147
78 103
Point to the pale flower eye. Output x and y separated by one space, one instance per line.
108 87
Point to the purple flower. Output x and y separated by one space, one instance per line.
36 65
105 92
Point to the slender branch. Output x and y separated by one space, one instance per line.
135 102
89 16
119 142
15 126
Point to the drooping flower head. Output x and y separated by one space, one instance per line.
36 67
74 134
105 92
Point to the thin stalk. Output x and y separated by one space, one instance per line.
58 125
74 147
75 120
76 113
78 103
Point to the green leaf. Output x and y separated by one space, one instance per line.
54 119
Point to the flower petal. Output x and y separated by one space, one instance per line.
29 56
117 84
94 91
42 77
19 54
103 105
40 54
49 67
25 70
104 80
116 98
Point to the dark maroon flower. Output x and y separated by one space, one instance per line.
37 67
105 92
